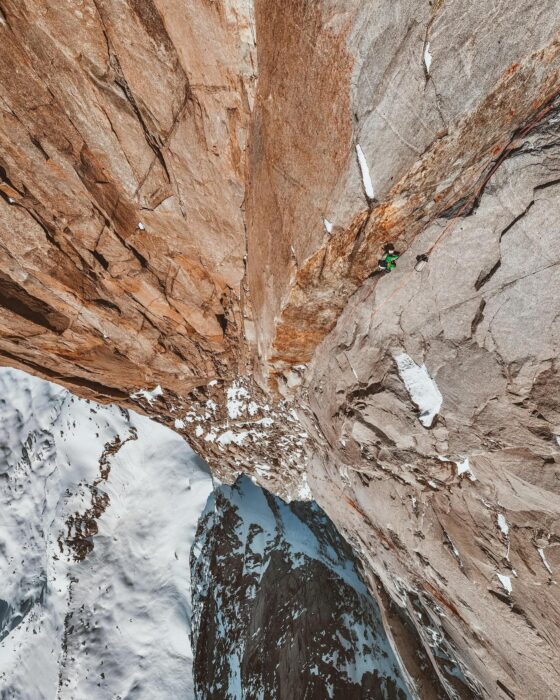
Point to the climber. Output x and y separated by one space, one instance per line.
389 260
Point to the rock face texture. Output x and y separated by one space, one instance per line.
183 203
122 189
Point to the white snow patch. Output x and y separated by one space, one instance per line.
464 467
427 57
199 431
506 582
262 469
421 388
502 524
213 382
229 436
212 405
252 408
150 396
304 493
328 225
236 405
141 226
544 560
366 178
179 424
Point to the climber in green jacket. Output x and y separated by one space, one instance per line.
389 260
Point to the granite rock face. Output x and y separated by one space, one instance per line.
184 202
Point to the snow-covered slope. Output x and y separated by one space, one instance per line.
279 608
98 509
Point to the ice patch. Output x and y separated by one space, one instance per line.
179 424
366 178
150 396
506 583
328 225
421 388
141 226
199 431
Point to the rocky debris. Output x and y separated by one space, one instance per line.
279 608
239 429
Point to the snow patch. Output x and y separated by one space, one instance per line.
427 57
304 493
421 388
236 404
366 178
230 437
544 560
328 225
149 396
506 583
464 467
502 524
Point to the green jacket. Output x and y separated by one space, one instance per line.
390 261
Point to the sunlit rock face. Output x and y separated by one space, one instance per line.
191 194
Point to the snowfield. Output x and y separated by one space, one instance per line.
116 623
